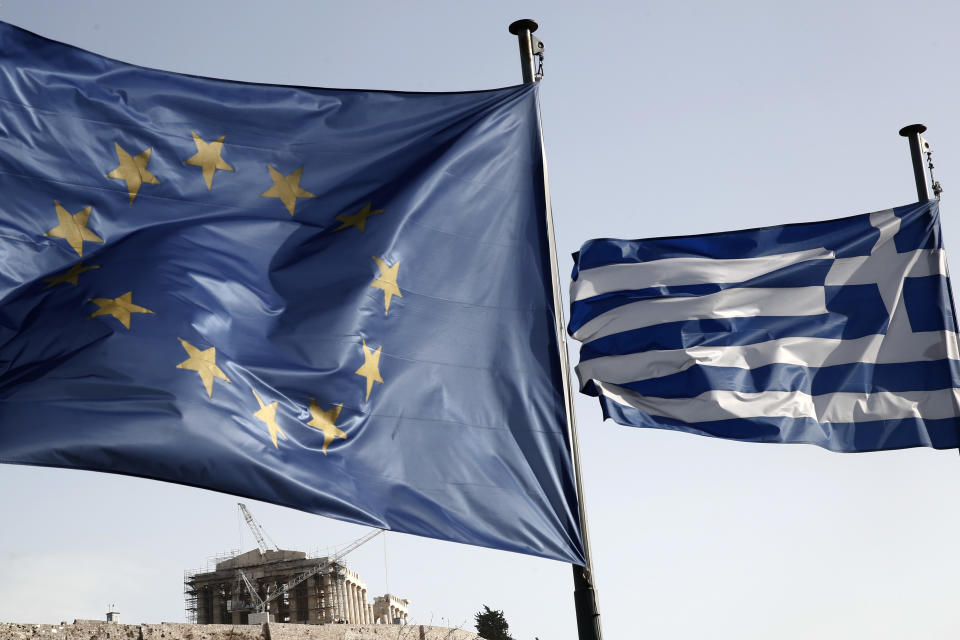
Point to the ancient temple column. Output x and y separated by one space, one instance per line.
215 615
348 587
326 593
360 605
356 604
355 619
341 610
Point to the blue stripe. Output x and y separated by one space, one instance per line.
919 228
812 273
853 311
846 237
926 300
857 377
848 437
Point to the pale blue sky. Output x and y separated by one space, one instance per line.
660 119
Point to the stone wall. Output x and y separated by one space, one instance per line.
90 630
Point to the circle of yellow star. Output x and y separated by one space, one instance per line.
268 414
133 170
208 158
203 362
358 219
120 308
73 228
71 275
387 282
371 367
287 188
326 422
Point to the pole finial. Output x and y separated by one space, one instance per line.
911 129
525 24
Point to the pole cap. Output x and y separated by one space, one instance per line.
912 129
518 26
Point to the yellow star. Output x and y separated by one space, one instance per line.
120 308
203 362
359 219
371 367
133 170
73 228
387 281
268 414
208 158
71 275
326 422
287 188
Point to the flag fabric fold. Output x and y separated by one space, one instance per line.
839 333
333 300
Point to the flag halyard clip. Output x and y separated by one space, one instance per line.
934 183
537 45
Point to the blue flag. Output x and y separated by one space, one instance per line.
840 334
337 301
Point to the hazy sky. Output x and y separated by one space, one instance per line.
660 119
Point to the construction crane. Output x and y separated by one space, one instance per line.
261 604
254 596
328 561
257 530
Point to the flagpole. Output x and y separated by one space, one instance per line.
917 143
584 592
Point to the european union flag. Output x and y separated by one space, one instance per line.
337 301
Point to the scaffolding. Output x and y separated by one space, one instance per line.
189 596
318 591
190 592
287 584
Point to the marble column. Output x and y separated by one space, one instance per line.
348 587
356 608
216 616
326 593
341 609
354 618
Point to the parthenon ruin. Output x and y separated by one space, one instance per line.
253 582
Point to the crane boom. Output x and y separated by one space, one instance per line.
356 543
257 600
257 530
321 566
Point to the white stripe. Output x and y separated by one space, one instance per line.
830 407
804 351
890 269
681 271
729 303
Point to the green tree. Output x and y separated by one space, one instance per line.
492 625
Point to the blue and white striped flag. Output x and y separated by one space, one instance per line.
838 333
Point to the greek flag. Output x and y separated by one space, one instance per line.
840 333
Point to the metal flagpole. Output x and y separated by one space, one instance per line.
584 592
917 147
